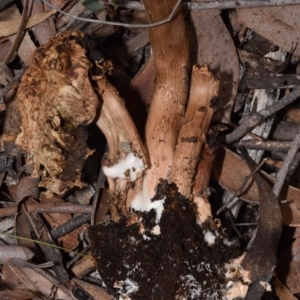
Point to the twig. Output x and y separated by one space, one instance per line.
239 192
227 4
69 226
77 256
100 184
284 169
269 81
66 208
257 118
244 224
266 145
167 19
15 45
231 217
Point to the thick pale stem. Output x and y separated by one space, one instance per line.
192 135
170 47
126 159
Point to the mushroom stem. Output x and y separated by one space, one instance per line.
126 159
192 135
170 47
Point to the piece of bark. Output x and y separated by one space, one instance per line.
170 47
84 266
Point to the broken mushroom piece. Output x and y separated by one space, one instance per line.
56 102
126 160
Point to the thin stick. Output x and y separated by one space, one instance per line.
267 145
117 23
244 224
66 208
15 45
257 118
240 190
287 162
229 4
69 226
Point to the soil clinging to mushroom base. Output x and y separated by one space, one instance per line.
138 262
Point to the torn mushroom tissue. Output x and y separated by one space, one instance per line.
135 166
131 163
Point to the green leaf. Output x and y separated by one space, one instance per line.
93 5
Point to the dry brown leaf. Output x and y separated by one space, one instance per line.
23 229
9 252
289 274
292 252
44 30
293 114
27 46
282 291
16 295
28 279
211 44
9 25
280 25
27 187
230 171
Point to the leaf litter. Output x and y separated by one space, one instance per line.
279 27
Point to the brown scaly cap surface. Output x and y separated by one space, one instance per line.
56 102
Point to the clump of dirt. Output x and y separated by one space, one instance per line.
176 263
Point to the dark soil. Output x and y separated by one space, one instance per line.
176 264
